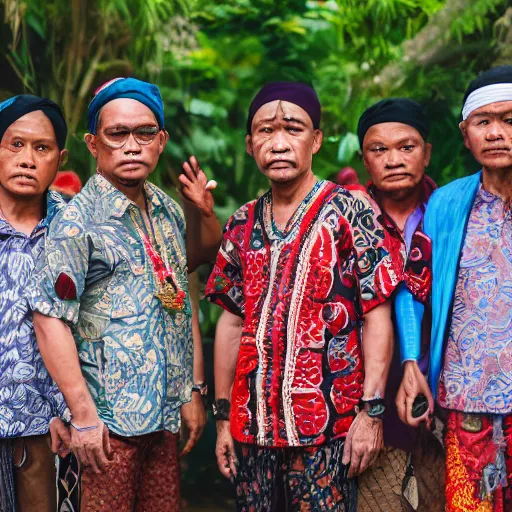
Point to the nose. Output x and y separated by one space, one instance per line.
393 158
279 143
27 160
494 131
132 146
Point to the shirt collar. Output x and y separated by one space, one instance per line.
118 202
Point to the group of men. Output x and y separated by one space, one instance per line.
338 302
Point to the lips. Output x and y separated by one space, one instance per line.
281 164
25 176
496 150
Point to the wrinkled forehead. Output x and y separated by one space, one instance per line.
126 112
278 111
34 125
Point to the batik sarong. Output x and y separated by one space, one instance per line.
478 463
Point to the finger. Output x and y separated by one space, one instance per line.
355 461
233 461
63 452
195 165
106 443
192 440
223 464
212 184
100 459
347 448
55 441
81 456
189 173
400 405
184 180
366 461
65 435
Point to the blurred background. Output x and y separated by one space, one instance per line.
209 58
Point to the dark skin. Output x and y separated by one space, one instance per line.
487 133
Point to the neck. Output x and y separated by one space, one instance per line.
134 192
498 182
399 206
22 213
290 193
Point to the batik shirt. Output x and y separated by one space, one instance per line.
477 374
135 356
28 396
302 294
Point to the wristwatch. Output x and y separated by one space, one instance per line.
221 409
201 388
375 407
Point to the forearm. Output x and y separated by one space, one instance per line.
377 350
60 357
409 317
199 373
227 344
204 235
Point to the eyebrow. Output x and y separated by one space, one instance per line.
293 120
48 140
490 113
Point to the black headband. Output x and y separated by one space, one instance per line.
11 110
393 110
298 93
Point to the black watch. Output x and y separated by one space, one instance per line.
201 388
375 407
221 409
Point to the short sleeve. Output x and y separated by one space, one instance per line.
418 268
225 285
378 263
60 278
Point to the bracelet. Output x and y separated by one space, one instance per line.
375 407
201 388
84 429
221 409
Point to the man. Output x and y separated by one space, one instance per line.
32 139
471 345
301 272
393 138
113 314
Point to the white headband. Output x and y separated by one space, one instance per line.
485 96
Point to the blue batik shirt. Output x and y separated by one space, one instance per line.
28 396
136 357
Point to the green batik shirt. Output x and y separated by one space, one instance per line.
136 357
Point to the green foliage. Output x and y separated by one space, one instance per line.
209 57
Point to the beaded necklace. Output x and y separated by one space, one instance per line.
168 291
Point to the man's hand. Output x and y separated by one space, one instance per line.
61 437
92 447
193 416
225 450
363 444
413 383
196 187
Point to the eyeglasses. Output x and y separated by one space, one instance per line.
117 137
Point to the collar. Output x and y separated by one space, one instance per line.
118 202
428 186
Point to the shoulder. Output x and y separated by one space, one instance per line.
454 191
243 214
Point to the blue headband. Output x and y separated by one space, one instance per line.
145 93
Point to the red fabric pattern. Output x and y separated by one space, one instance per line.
302 296
65 287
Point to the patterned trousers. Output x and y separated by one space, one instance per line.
143 477
310 479
478 463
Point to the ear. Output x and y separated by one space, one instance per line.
428 154
90 140
464 130
63 157
164 137
248 145
317 141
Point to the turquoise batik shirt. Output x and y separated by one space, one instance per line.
136 357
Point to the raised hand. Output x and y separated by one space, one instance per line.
196 188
